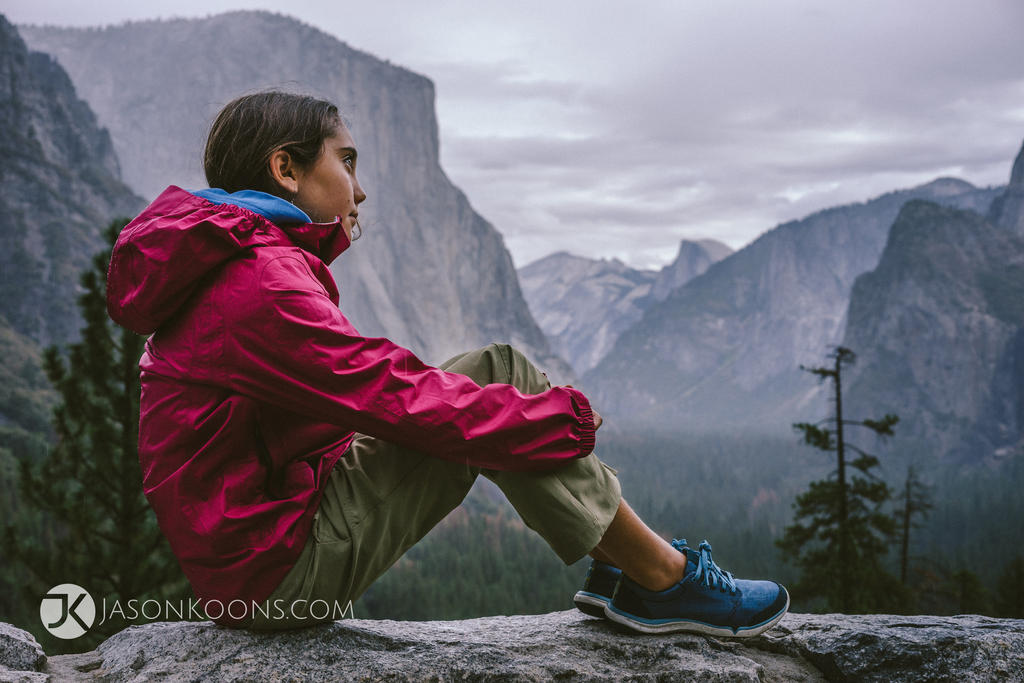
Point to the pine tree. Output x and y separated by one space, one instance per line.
841 533
916 501
101 534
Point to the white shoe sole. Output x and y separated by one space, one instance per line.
694 626
592 600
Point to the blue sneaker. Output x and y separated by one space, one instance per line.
598 587
707 600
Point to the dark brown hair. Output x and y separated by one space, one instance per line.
252 127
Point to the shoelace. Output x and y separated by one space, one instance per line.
707 572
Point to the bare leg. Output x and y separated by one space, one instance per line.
641 554
600 556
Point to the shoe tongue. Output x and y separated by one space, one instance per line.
692 560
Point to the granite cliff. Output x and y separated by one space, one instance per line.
939 331
1008 209
59 187
693 258
429 272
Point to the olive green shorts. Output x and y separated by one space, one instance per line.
380 499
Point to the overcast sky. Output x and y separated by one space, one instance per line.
617 129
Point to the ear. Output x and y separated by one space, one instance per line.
284 172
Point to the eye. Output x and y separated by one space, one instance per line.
349 161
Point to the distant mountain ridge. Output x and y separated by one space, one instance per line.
722 350
939 330
583 304
429 272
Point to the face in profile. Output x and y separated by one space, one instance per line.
329 188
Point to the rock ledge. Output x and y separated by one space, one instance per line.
561 645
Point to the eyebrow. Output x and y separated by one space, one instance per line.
350 150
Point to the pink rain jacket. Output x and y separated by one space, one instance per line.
254 382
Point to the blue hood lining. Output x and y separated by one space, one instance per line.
274 209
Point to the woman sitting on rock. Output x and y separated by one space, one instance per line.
291 460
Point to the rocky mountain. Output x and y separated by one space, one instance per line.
540 647
429 272
693 258
724 349
59 187
939 331
583 305
1008 209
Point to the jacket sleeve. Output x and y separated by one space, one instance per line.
293 348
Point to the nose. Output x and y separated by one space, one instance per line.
358 193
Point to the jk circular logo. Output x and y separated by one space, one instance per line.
67 611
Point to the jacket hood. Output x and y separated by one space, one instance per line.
162 255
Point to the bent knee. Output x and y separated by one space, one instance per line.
520 370
499 362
